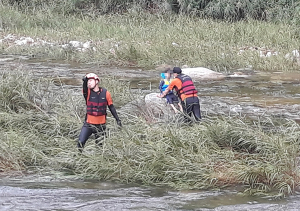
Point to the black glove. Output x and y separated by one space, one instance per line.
119 123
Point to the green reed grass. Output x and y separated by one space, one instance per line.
147 40
40 132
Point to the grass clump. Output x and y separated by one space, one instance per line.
220 152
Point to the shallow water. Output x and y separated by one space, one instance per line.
276 94
260 93
47 193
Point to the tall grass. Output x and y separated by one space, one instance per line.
142 39
218 9
221 151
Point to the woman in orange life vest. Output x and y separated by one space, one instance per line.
97 99
186 91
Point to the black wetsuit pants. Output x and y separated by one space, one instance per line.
191 106
87 130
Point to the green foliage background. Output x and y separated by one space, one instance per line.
232 10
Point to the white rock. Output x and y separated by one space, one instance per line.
6 59
20 42
236 108
47 43
296 53
261 54
202 73
24 41
256 110
86 45
112 51
287 56
81 49
157 106
269 54
153 98
238 75
294 56
9 37
29 40
75 44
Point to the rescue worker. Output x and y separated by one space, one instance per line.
97 99
171 98
186 91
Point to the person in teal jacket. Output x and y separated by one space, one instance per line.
171 98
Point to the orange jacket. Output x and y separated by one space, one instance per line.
177 84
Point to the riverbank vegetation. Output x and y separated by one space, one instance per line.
220 35
40 123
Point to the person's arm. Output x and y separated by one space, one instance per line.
114 113
164 93
112 108
161 85
85 88
170 87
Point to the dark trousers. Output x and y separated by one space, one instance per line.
87 130
191 106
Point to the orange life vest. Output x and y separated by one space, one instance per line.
96 104
188 87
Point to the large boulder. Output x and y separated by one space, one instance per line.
202 73
156 105
153 99
151 107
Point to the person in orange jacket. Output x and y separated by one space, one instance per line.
97 100
186 91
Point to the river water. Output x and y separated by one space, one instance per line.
276 94
66 193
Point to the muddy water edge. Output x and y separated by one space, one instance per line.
276 94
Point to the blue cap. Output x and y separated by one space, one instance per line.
163 76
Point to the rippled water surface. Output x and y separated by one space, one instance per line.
48 193
260 93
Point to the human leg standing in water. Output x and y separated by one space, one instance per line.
192 106
99 130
